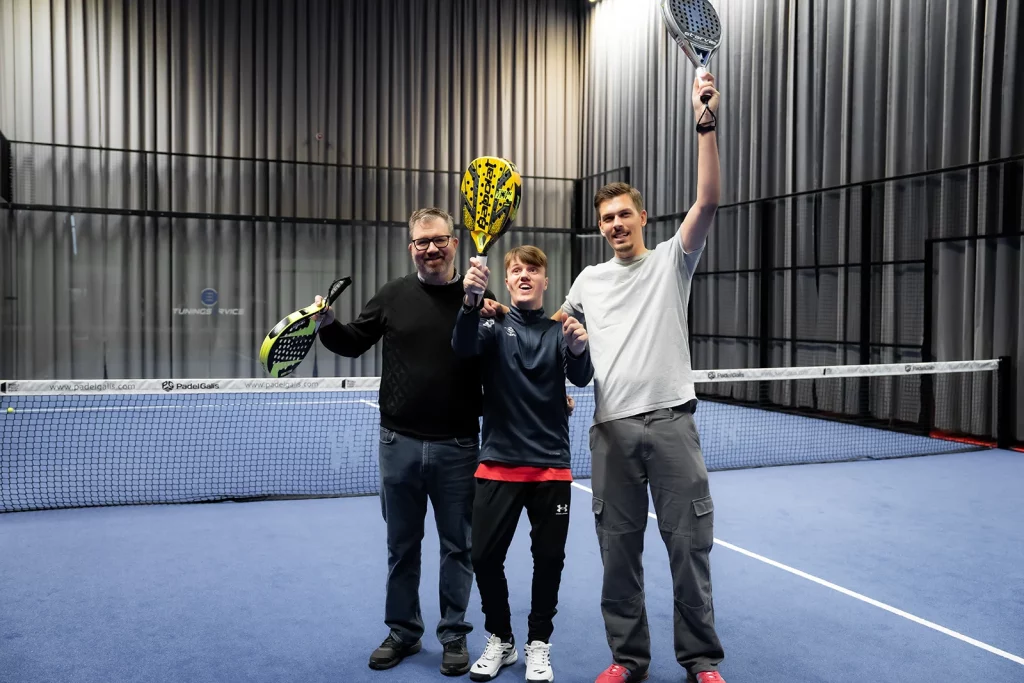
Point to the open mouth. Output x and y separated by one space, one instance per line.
525 287
621 236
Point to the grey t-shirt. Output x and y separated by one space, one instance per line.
635 315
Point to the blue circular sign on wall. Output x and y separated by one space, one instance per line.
209 296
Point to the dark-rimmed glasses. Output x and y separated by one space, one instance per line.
441 241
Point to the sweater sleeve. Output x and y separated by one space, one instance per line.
357 337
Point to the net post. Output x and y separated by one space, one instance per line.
927 417
866 222
794 225
1007 395
767 290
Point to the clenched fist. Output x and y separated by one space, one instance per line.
575 334
475 282
326 315
705 87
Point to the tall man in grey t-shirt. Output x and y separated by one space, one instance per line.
634 309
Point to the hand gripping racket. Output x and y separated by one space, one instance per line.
491 192
293 337
695 27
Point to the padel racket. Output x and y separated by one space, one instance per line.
695 27
491 192
293 337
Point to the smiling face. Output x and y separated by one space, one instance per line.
526 277
621 219
432 245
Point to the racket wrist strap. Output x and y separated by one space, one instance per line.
707 121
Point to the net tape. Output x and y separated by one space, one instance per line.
291 384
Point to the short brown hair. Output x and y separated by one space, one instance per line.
431 213
528 255
613 190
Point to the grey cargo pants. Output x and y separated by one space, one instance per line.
660 448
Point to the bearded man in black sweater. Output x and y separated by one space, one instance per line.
430 406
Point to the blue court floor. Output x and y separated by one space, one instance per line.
897 570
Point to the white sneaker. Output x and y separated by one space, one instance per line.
496 656
538 662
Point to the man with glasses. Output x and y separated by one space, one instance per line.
430 405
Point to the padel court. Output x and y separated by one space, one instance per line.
843 551
236 237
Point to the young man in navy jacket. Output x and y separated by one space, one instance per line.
524 456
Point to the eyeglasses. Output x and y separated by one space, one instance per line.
440 242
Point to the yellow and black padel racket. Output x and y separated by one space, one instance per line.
491 192
292 338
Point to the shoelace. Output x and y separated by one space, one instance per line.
493 649
538 657
616 670
709 677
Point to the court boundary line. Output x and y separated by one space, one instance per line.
853 594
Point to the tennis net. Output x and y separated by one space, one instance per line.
90 443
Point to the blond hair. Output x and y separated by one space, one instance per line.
527 255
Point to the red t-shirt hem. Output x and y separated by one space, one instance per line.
521 473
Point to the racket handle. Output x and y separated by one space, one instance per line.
482 262
701 73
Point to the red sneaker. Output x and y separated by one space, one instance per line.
708 677
616 673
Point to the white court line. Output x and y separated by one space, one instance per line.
858 596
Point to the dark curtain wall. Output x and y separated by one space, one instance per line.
818 94
322 104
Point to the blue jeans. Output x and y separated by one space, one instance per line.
411 472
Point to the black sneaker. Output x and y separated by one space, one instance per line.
391 652
455 661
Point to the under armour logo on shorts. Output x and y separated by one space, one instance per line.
561 509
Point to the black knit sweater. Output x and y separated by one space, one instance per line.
426 390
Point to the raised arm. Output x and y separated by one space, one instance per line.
697 224
469 335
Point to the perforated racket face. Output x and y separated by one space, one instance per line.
292 341
697 20
491 193
291 347
695 26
